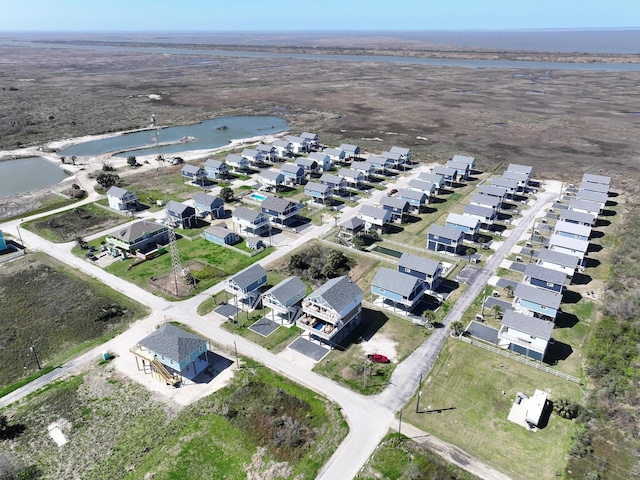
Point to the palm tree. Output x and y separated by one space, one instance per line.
509 290
469 251
497 310
429 316
456 327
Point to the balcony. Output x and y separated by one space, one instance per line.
320 313
318 327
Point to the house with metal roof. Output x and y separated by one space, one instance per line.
206 204
415 199
430 189
406 153
269 152
333 311
284 149
580 218
308 164
396 206
314 139
521 178
450 175
486 201
336 182
194 174
350 151
571 246
181 214
323 160
559 261
245 285
280 210
254 157
524 334
293 174
237 161
428 271
283 298
250 221
394 159
318 192
353 178
434 178
585 206
536 302
469 161
492 191
397 288
600 198
375 218
526 169
142 235
603 179
121 199
510 185
485 215
336 155
172 354
445 239
271 179
221 235
215 169
572 230
365 168
546 278
466 224
299 144
380 164
594 187
462 169
351 228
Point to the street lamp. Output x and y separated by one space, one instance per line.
33 350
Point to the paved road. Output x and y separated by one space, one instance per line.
369 418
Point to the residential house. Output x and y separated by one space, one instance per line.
520 177
461 168
272 179
445 239
284 149
172 353
245 285
365 168
336 155
323 160
397 288
572 246
280 210
469 161
3 242
572 230
269 152
492 191
333 311
336 182
381 165
525 335
394 159
396 206
206 204
142 235
254 157
375 218
450 175
516 168
580 218
319 192
293 174
546 278
511 186
215 169
602 179
434 178
350 151
584 206
250 221
600 198
298 144
406 154
536 302
594 187
428 188
351 228
237 161
487 201
415 199
313 139
559 261
426 270
121 199
194 174
283 298
181 214
221 235
486 215
466 224
353 178
309 165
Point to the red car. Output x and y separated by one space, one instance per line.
377 358
393 191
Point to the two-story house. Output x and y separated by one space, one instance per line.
280 210
397 289
245 285
445 239
121 199
426 270
215 169
525 335
250 221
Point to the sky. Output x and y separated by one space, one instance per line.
316 15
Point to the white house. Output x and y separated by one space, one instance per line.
121 199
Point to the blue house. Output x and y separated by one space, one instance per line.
215 169
525 335
426 270
245 285
397 288
279 209
415 199
318 192
365 168
396 206
536 302
181 214
350 151
466 224
572 230
435 178
250 221
450 175
206 204
293 174
3 243
337 183
485 215
194 174
221 235
283 298
461 168
380 164
445 239
394 159
237 161
541 277
308 164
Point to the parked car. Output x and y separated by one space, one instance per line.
377 358
393 191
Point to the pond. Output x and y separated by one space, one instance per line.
204 135
27 174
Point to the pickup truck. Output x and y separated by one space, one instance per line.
377 358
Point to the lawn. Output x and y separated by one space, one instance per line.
260 422
61 310
466 385
49 202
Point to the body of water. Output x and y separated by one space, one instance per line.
27 174
208 134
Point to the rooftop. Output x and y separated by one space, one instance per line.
530 325
419 264
172 342
394 281
338 292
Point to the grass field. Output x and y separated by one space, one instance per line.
60 310
470 382
259 423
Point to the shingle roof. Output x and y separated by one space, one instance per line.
545 274
394 281
249 275
265 148
282 143
418 264
395 156
333 152
444 171
423 185
172 342
348 147
135 230
558 258
272 175
291 168
206 199
460 167
338 292
540 296
519 176
306 162
286 289
492 190
591 196
411 194
589 177
309 135
276 204
353 223
431 177
117 192
478 211
377 160
218 231
530 325
582 217
232 158
213 163
469 161
294 139
317 187
374 212
445 232
191 169
393 202
584 205
244 213
400 150
331 179
464 220
319 157
504 182
485 200
250 152
348 173
177 207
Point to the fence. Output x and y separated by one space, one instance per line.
518 358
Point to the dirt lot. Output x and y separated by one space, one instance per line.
562 122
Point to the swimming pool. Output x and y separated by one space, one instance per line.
258 196
387 251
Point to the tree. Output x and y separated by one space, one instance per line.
429 316
470 251
456 327
132 161
336 262
566 408
497 310
509 290
226 194
106 180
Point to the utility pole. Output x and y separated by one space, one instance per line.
399 425
33 350
364 374
237 360
419 395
